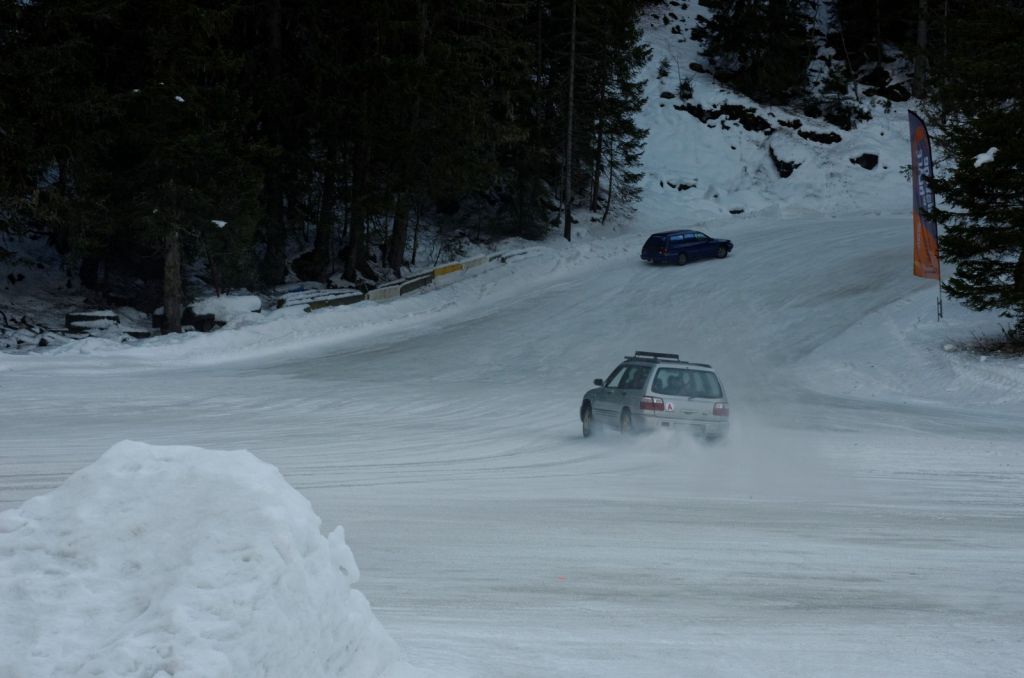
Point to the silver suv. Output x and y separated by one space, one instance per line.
648 391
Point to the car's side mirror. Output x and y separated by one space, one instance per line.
599 382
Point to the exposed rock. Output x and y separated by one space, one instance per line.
820 137
891 92
747 117
866 160
783 167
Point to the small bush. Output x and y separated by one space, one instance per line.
663 68
686 89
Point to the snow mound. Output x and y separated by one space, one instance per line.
228 307
181 561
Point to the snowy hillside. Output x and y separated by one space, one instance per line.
700 169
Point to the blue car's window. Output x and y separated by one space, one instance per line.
654 241
680 381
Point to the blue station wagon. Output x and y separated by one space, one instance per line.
680 247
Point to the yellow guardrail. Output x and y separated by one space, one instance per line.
448 268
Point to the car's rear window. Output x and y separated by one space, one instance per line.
682 381
654 241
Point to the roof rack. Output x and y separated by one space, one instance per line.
662 358
651 355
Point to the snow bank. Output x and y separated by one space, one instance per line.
161 561
228 307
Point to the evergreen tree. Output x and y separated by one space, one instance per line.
130 131
761 47
977 104
145 150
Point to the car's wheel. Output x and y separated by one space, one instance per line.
588 422
625 422
723 251
681 259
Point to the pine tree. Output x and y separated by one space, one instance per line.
616 139
761 47
138 145
977 104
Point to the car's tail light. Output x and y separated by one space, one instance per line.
720 410
663 251
652 404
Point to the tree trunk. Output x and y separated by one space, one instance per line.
275 266
396 248
611 174
357 218
878 35
1018 280
921 58
356 230
415 235
325 219
595 186
274 260
174 297
567 230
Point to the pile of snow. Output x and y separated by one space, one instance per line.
228 307
181 561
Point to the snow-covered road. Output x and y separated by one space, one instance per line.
863 519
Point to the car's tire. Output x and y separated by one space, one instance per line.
681 259
625 422
587 417
723 252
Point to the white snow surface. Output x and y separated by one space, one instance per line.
228 307
863 518
986 157
180 561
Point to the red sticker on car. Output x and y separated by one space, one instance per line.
669 407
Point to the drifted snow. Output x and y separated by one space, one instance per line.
180 561
228 307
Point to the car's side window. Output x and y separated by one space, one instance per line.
701 236
615 377
636 377
628 376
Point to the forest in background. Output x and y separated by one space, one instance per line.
146 138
